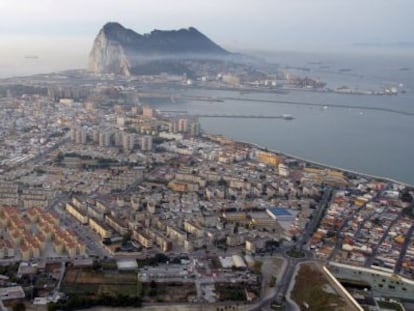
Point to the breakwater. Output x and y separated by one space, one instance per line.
323 106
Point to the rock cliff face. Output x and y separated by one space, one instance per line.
122 51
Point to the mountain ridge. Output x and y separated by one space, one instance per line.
120 50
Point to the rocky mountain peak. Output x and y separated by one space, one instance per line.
119 50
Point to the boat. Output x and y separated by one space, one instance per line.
287 116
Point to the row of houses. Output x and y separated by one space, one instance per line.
97 217
32 230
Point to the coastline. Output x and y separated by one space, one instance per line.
262 148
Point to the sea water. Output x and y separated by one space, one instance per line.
370 141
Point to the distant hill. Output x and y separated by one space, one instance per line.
119 50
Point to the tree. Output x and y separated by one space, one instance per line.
96 265
222 182
19 306
126 238
161 258
60 157
153 289
406 196
52 306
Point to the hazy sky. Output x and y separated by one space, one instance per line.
71 25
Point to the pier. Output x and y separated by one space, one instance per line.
324 106
301 103
229 115
244 116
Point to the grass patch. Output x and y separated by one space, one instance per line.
390 305
97 285
310 289
295 253
235 291
257 268
90 284
230 292
90 276
168 292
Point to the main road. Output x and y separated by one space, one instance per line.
283 284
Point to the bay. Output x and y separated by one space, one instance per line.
369 141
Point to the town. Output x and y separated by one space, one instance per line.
105 200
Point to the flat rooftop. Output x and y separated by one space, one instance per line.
127 264
279 211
